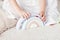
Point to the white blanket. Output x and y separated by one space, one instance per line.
5 22
51 9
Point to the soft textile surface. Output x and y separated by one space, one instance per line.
51 9
33 7
40 33
5 22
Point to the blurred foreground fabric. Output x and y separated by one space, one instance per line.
5 22
40 33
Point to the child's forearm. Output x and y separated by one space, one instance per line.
42 5
15 6
19 10
42 10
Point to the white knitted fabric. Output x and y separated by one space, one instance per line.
33 7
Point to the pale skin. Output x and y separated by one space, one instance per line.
25 14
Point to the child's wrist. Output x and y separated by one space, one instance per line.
42 12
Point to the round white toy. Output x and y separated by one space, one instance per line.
32 22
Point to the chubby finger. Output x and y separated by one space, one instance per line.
43 18
26 16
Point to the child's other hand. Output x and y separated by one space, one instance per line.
43 16
25 15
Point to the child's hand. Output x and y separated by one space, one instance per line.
25 15
43 16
